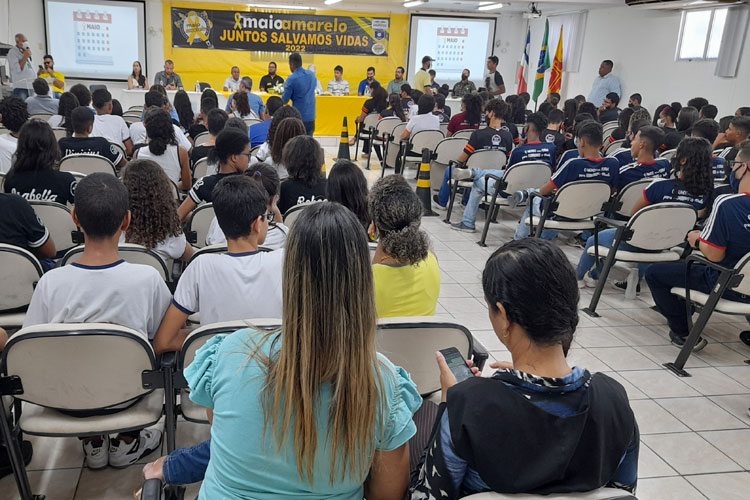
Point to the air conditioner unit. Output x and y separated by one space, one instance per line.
682 4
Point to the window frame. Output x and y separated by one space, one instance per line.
706 42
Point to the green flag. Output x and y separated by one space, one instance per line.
543 64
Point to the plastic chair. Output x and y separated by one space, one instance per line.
574 205
608 128
20 271
4 130
483 159
466 133
250 121
365 129
668 154
293 212
381 135
87 164
200 168
50 368
58 221
428 139
60 133
200 223
129 252
519 177
41 116
200 139
444 128
656 228
446 151
627 198
393 147
613 146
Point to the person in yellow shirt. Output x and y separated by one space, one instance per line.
422 80
406 272
54 78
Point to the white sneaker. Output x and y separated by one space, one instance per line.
460 174
587 282
97 457
122 454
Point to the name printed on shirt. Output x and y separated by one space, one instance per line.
45 195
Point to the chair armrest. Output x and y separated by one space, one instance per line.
493 176
151 490
700 259
168 360
610 222
479 354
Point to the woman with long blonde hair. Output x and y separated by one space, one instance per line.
311 410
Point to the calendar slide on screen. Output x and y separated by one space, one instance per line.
95 39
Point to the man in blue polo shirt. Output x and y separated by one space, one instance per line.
365 86
300 89
725 239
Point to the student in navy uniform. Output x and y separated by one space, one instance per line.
588 166
709 130
624 155
693 185
725 239
533 150
232 153
685 120
570 133
552 132
492 137
643 148
82 143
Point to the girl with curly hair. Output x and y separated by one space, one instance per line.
162 148
153 212
304 158
406 272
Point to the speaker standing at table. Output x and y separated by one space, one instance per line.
300 89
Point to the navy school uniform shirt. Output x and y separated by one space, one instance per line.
586 169
534 151
567 155
728 227
719 166
489 138
623 156
665 190
637 171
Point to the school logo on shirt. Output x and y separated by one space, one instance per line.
549 138
496 140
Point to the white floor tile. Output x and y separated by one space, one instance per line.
624 358
711 382
734 486
659 384
653 419
667 488
733 443
688 453
701 414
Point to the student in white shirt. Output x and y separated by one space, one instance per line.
266 151
424 120
111 127
102 288
267 176
243 283
13 114
154 99
163 149
154 222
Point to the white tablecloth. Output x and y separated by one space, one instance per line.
135 98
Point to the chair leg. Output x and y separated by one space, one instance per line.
494 208
608 263
16 458
454 190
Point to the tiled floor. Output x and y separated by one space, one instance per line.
695 440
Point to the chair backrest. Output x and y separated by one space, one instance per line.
425 139
129 252
250 121
41 116
4 130
200 139
59 132
175 190
608 128
131 119
444 128
87 164
204 85
581 199
743 268
613 146
200 222
396 132
57 369
2 181
526 175
449 149
466 133
630 195
411 343
136 107
293 212
661 226
19 273
600 494
200 336
371 121
487 159
95 86
668 154
200 168
386 125
57 219
252 150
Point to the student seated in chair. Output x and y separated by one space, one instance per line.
83 143
644 147
103 288
531 150
725 239
111 127
692 184
587 166
20 226
215 121
737 132
407 276
243 283
537 403
624 154
307 182
709 130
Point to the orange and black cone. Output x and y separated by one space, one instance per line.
343 153
423 184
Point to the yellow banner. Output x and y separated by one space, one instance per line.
214 65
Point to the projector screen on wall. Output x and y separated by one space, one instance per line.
455 43
95 40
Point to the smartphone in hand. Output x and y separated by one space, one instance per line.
457 364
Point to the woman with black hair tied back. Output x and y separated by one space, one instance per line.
407 276
184 109
686 118
470 116
347 185
394 108
554 428
68 102
162 148
668 116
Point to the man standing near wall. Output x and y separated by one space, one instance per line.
605 83
300 89
21 71
422 81
494 80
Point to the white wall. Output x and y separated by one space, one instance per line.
642 45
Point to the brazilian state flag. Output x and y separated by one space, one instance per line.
543 64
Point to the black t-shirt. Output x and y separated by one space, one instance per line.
98 146
19 225
406 104
554 137
388 112
294 192
198 153
442 115
369 107
269 81
195 129
201 190
43 185
511 127
489 138
672 139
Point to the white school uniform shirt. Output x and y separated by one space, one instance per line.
264 155
131 295
55 120
8 145
138 135
275 238
111 127
227 287
169 161
423 122
171 248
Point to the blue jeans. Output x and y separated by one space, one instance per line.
477 193
22 93
309 127
606 238
444 196
187 465
523 230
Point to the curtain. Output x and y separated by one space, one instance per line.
732 42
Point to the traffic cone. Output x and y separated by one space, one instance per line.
343 153
423 184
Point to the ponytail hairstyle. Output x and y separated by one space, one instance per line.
396 212
68 102
474 106
671 111
265 175
697 171
159 130
394 102
686 118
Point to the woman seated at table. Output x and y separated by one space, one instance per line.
137 80
537 425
